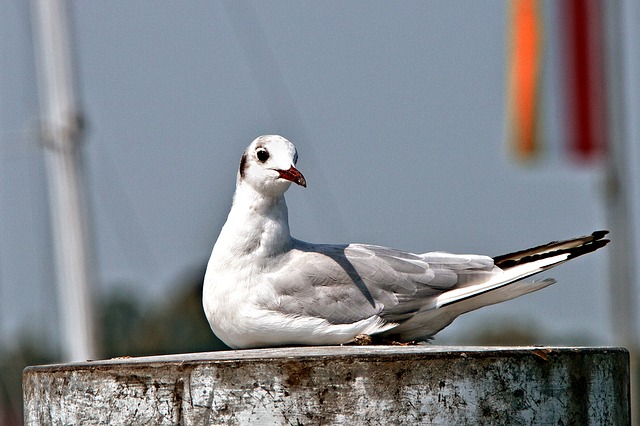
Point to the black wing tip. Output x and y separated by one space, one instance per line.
599 234
588 248
586 244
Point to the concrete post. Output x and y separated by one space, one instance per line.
338 385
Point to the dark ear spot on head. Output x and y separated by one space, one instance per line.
243 164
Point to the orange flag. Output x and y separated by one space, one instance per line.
525 48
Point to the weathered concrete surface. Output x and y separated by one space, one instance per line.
338 385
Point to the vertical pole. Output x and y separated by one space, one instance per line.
619 190
62 131
623 173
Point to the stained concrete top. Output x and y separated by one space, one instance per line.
300 352
348 385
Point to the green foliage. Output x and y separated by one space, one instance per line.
12 361
177 327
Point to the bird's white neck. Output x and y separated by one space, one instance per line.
257 227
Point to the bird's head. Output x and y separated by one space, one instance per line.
268 165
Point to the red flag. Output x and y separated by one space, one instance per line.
585 91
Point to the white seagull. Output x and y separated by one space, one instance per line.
264 288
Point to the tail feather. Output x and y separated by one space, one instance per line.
501 280
505 285
523 264
574 247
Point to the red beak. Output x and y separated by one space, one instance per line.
293 175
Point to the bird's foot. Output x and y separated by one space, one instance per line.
361 340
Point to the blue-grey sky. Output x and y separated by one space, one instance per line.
398 114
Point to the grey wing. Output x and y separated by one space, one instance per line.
318 281
419 278
348 283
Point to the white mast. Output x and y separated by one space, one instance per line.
61 135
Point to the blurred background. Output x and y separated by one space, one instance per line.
470 127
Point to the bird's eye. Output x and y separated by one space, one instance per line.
263 155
